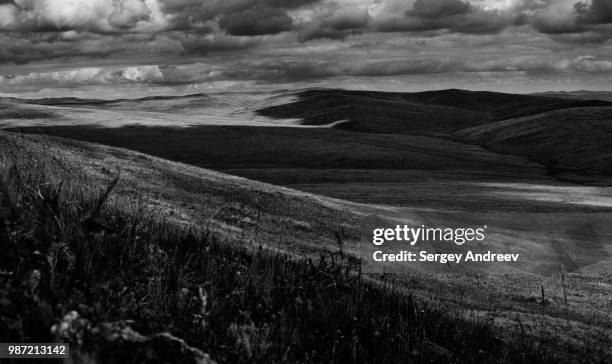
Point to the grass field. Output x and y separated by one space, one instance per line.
554 305
82 237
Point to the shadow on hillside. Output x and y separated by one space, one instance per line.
431 112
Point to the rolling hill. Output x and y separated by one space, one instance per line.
421 113
410 158
579 95
186 194
373 112
233 147
577 139
258 134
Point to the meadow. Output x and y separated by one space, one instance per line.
244 208
121 283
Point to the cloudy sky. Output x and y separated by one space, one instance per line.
109 48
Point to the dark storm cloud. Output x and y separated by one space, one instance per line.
236 17
21 50
548 25
595 12
258 20
435 9
521 19
202 45
585 22
347 21
206 10
447 15
337 25
475 23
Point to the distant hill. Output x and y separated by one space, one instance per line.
432 113
426 113
497 105
579 95
374 112
578 138
14 109
422 130
57 101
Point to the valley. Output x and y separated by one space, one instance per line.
298 171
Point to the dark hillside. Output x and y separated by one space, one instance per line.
570 139
374 112
425 113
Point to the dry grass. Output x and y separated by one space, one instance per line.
71 244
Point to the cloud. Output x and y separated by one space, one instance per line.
434 9
476 23
259 16
129 13
594 12
295 70
204 44
22 49
381 68
332 19
87 75
258 20
582 37
144 74
337 24
300 70
592 64
198 26
98 16
582 22
455 16
239 17
264 40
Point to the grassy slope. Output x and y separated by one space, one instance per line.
500 106
571 138
128 264
231 205
250 304
422 113
316 149
373 112
138 258
277 147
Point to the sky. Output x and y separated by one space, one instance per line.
135 48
